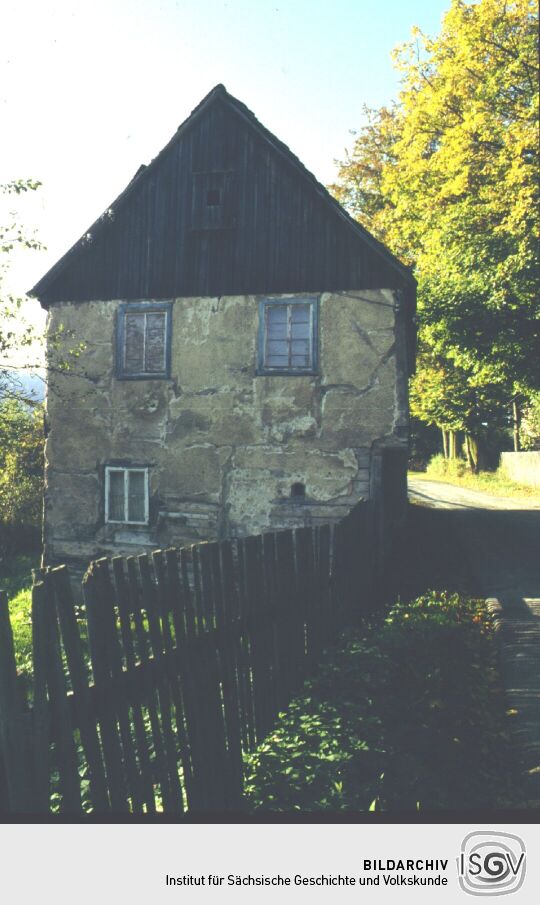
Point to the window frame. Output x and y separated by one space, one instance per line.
126 469
267 370
142 308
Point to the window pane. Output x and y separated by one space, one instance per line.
278 347
300 354
300 331
277 330
155 342
116 496
136 496
276 314
277 353
300 314
277 361
300 347
134 344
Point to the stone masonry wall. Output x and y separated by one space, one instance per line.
223 445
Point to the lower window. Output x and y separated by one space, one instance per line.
126 495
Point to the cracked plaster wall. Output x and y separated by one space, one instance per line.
223 445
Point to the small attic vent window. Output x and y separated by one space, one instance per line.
214 200
213 197
298 490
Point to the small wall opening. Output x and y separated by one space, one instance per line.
298 490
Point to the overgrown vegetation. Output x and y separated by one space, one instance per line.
16 581
21 463
455 471
407 715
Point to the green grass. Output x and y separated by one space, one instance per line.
407 715
16 581
493 482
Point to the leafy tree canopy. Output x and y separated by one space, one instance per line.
21 463
449 180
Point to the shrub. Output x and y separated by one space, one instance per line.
407 715
439 467
21 462
16 581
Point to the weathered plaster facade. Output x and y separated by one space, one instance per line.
223 445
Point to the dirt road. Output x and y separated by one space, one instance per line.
448 496
498 540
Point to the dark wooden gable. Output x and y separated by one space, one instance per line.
225 208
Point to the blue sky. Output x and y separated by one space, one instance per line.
89 91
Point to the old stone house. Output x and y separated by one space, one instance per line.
246 352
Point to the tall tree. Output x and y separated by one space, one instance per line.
444 395
454 172
359 185
464 187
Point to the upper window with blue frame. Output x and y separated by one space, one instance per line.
143 341
288 340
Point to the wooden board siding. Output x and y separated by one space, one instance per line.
281 230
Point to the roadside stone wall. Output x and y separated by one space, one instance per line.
523 467
223 445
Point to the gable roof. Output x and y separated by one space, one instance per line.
64 280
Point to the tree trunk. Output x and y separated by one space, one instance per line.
516 411
469 449
477 451
452 446
444 442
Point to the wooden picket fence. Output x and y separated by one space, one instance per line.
147 697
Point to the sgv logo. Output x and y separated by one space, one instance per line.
491 864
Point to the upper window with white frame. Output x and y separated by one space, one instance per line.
143 341
288 340
126 495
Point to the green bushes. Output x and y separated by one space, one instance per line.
21 476
405 716
326 751
16 582
439 467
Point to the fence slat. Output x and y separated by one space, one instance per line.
243 651
173 801
177 603
306 595
166 571
190 664
41 718
61 734
116 670
149 688
228 679
124 611
286 591
254 583
58 579
97 637
213 763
